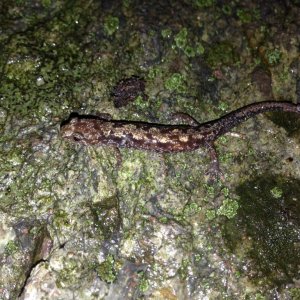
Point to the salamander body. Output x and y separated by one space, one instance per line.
163 138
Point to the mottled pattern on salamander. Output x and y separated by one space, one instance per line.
163 138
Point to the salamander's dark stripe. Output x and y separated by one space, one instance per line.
163 138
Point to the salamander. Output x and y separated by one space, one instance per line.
89 130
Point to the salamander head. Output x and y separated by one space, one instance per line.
79 131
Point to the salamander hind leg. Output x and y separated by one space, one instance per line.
214 172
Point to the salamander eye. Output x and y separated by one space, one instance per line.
77 137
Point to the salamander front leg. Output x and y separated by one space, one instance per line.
214 172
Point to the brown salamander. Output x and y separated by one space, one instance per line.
164 138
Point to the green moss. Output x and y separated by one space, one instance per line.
210 214
200 48
189 51
46 3
106 270
111 25
20 69
247 16
141 103
181 38
14 157
59 77
222 140
244 15
198 257
273 56
166 33
183 270
210 190
223 106
228 208
295 293
61 218
69 274
221 54
225 191
227 10
259 296
11 247
176 83
276 192
154 72
163 220
226 157
191 209
127 3
143 283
